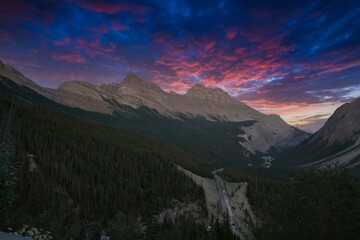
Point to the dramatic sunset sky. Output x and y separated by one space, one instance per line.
299 59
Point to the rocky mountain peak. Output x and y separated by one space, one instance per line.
133 82
197 87
13 74
9 69
342 126
212 94
337 143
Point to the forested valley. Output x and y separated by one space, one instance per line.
67 175
70 173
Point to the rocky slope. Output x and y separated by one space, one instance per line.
336 143
17 77
199 101
269 133
82 95
342 130
343 126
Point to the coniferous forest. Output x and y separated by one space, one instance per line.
314 204
71 173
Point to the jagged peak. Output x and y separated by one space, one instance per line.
132 76
13 74
133 79
214 94
17 77
8 68
201 88
197 87
274 116
136 83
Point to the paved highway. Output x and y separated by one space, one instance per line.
225 203
221 189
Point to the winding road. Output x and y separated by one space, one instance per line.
225 203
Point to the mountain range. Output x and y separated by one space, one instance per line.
205 121
255 133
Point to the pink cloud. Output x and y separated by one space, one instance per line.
210 45
240 50
93 47
69 57
62 42
161 36
118 26
231 32
112 7
220 67
34 65
11 10
177 86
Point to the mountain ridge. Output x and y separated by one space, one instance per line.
11 73
266 133
337 143
133 81
130 85
135 92
334 130
212 94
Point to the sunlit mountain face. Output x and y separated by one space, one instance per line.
294 58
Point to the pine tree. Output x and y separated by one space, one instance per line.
150 222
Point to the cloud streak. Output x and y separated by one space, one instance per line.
112 7
70 57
